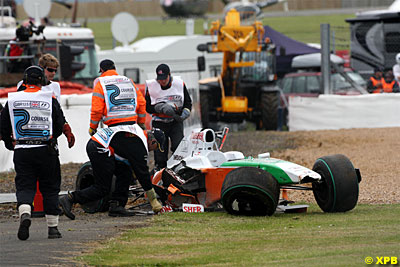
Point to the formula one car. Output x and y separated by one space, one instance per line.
200 173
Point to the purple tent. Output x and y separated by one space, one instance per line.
286 50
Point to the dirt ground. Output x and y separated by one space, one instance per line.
376 152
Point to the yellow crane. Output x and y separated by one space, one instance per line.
247 75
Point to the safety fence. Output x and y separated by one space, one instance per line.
332 112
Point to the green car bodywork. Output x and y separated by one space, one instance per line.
278 168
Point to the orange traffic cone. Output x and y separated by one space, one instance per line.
38 210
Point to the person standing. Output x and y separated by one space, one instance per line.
115 100
17 48
100 150
169 102
118 103
30 124
396 69
374 83
389 84
50 64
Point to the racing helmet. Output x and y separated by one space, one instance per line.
160 137
34 75
398 58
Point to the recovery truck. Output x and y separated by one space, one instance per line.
245 88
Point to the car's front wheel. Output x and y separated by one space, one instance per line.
338 189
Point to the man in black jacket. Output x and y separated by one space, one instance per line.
31 121
169 103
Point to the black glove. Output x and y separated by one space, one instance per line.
164 108
52 147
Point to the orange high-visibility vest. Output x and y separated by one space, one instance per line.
387 87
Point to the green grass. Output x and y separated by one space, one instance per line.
302 28
218 239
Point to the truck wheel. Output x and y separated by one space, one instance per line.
270 105
85 179
250 191
338 189
204 99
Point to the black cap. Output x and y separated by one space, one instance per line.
162 71
34 75
160 137
34 72
107 64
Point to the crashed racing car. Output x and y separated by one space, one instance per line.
200 173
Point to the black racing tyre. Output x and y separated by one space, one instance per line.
85 179
338 189
270 106
250 191
204 108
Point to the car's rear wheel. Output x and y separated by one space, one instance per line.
250 191
338 189
85 179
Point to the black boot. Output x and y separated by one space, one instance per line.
117 210
25 223
66 203
54 233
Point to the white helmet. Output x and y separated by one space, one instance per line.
398 58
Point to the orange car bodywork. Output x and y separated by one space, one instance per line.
214 178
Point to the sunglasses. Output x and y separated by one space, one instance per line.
51 70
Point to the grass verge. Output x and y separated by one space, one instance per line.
218 239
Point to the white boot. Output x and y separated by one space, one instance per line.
24 211
52 223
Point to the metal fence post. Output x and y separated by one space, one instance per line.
325 58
